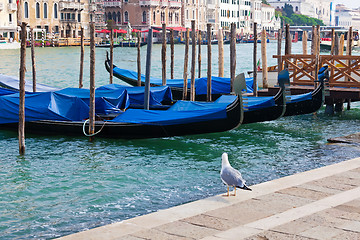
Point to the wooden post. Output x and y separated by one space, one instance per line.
163 54
304 42
287 42
193 58
21 126
264 59
81 75
280 65
148 68
318 39
349 42
33 59
111 55
92 81
332 41
199 54
172 53
341 48
232 55
254 60
139 59
221 53
313 40
336 45
208 90
186 60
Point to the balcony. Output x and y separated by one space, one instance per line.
76 6
112 4
164 3
92 7
149 3
12 7
175 4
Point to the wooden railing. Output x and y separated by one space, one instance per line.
344 69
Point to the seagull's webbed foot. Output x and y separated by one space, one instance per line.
234 191
228 193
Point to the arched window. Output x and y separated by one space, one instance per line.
154 17
126 17
26 10
37 10
296 9
45 10
109 16
55 10
114 17
119 17
144 17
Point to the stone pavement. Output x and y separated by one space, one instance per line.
322 203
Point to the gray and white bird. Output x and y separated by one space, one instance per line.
230 176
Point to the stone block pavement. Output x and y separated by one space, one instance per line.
323 203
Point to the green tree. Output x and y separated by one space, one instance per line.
288 10
265 2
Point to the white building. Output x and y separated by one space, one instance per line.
8 19
269 21
320 9
346 17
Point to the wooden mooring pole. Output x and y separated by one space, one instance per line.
186 60
332 41
163 54
279 41
148 68
172 53
232 55
21 126
348 52
313 40
254 60
304 42
199 54
264 59
33 59
208 90
92 82
193 58
221 52
341 48
81 75
139 59
287 42
111 55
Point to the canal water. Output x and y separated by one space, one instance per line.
65 185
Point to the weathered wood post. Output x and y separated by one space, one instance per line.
193 58
332 41
81 75
33 59
172 53
21 126
148 68
186 60
208 90
199 54
318 39
342 41
304 42
287 42
163 54
232 55
264 59
313 40
138 59
221 52
254 60
280 65
336 45
348 52
111 55
92 82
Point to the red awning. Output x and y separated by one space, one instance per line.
120 31
181 29
154 31
135 30
103 31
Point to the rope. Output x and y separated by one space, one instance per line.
91 135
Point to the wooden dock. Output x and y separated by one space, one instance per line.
322 203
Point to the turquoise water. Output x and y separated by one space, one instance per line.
64 185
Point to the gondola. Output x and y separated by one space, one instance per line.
65 112
258 109
121 44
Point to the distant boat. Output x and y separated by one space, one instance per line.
121 44
9 45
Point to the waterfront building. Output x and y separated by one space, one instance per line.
269 21
8 19
346 17
320 9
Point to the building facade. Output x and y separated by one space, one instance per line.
346 17
8 19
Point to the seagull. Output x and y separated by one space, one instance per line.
231 176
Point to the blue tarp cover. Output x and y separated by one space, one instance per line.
4 91
219 85
180 113
300 97
253 103
13 83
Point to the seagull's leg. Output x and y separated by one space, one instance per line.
228 194
234 191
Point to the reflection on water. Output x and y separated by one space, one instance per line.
64 185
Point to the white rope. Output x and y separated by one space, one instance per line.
91 135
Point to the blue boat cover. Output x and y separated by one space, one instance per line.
219 85
181 112
4 91
253 103
158 95
13 83
300 97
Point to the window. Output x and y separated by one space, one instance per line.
170 17
176 18
154 17
114 16
62 16
55 11
37 10
144 17
126 17
79 17
187 14
119 17
10 18
45 10
296 9
109 16
162 17
26 10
